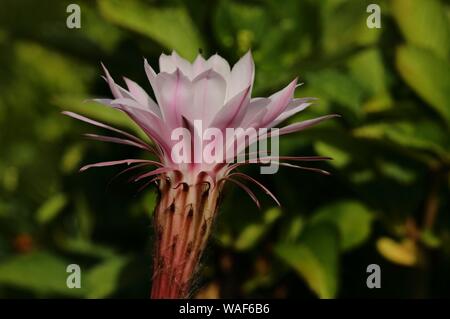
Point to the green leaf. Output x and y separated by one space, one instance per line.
40 272
249 236
338 87
352 218
85 247
240 25
252 233
424 24
368 69
72 158
172 27
315 258
398 172
340 157
51 208
428 75
421 135
429 239
103 279
344 26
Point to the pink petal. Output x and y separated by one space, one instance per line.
153 173
141 96
231 111
209 94
99 124
112 85
151 124
255 111
199 66
242 75
175 96
220 65
300 126
116 140
279 102
170 63
251 179
293 108
119 162
246 189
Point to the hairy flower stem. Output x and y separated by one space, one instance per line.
182 220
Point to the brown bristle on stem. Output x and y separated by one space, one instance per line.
183 219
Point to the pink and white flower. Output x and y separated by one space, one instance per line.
220 97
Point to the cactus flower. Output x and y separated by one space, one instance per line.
209 93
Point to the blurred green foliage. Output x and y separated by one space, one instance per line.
387 201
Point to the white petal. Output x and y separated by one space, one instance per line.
256 109
151 124
112 85
279 102
294 107
242 75
232 112
141 96
184 65
175 95
199 66
170 63
209 95
220 65
166 64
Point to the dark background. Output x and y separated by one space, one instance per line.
387 201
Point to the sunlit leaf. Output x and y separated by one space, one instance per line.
368 69
403 253
51 208
428 75
254 232
103 279
338 87
424 24
315 258
170 26
39 272
352 218
340 157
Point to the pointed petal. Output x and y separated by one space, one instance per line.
116 140
184 65
153 173
251 179
152 125
231 111
175 96
119 162
220 65
141 96
102 125
199 66
112 85
170 63
300 126
246 189
209 95
255 111
166 64
242 75
279 102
